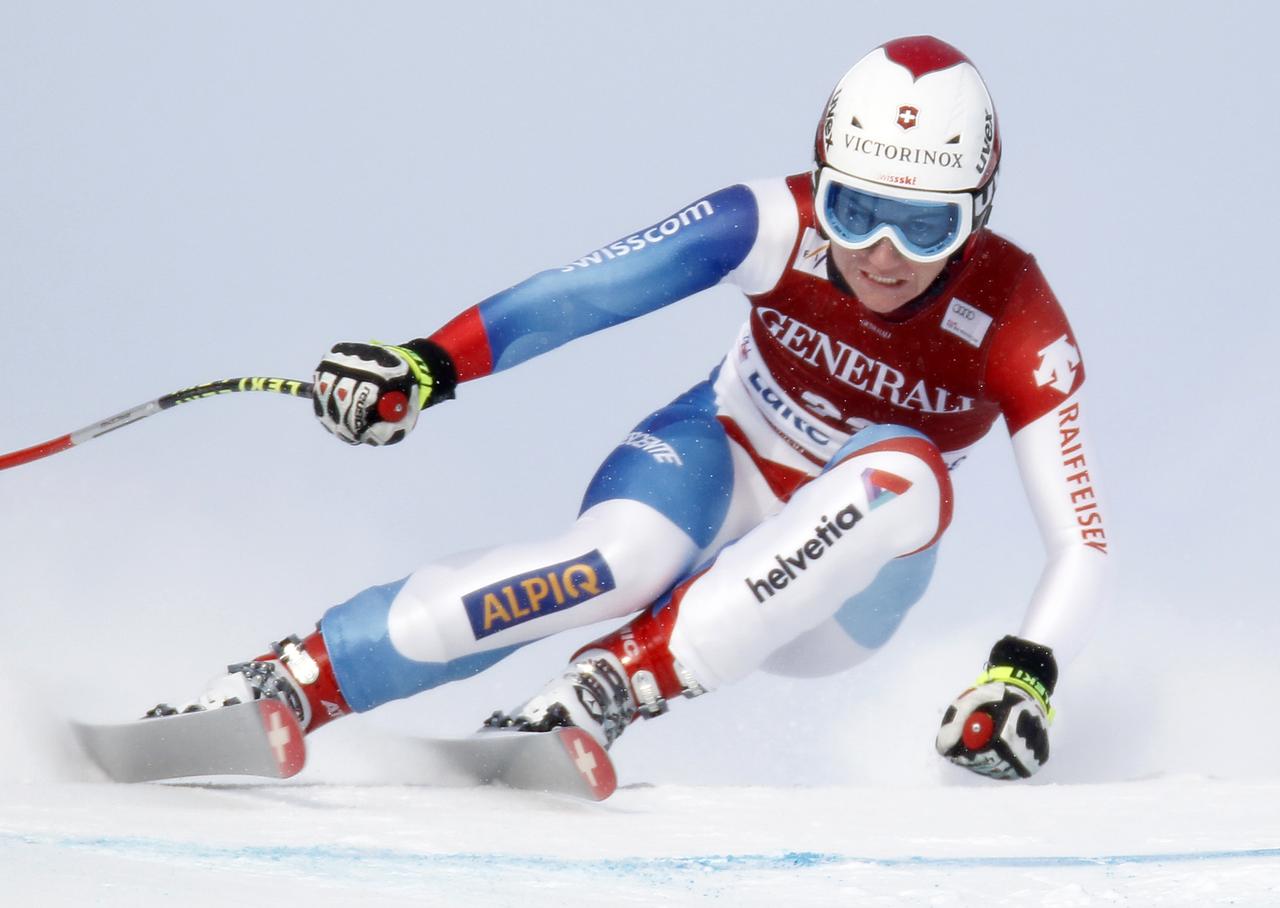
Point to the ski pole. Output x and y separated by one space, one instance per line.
288 386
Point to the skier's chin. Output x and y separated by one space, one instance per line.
881 297
880 293
882 279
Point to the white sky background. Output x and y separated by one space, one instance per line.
195 191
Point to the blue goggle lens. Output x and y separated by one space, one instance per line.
925 227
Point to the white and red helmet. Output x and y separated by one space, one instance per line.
912 120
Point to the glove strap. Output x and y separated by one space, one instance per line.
1027 666
432 369
1016 677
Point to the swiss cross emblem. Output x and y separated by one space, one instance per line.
907 116
278 738
586 762
591 762
283 737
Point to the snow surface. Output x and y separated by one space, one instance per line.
1139 843
363 824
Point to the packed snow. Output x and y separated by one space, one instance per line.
1171 841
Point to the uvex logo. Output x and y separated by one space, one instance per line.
829 119
988 139
524 597
790 566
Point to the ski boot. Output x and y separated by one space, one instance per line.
296 672
609 684
591 694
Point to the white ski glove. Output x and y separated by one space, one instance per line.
372 393
1000 726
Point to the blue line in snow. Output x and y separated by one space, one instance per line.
328 856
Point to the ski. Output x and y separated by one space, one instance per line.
261 738
565 761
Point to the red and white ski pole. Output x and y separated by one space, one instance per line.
288 386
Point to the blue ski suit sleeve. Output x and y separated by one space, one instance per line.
693 249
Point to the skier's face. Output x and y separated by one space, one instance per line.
882 277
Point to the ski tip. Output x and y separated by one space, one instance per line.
591 761
284 737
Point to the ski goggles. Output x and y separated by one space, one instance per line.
924 226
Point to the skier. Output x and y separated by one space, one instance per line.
786 512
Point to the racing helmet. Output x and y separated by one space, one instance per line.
907 148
